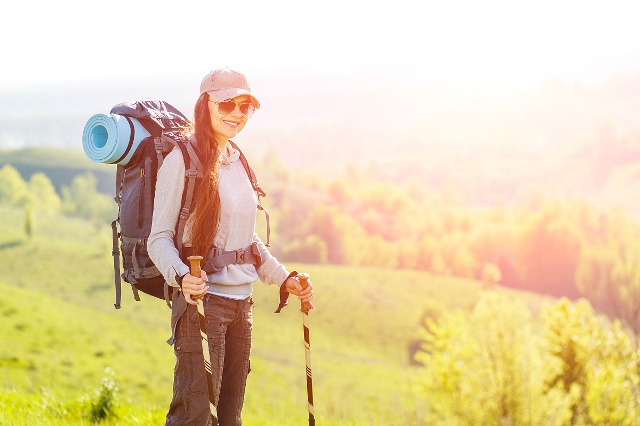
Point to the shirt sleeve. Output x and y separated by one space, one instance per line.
168 197
270 271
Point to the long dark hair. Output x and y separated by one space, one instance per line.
206 203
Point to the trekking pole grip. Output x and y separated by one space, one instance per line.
194 266
303 278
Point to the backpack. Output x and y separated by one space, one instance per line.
135 191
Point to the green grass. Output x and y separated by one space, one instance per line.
59 332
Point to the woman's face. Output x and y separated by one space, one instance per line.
229 125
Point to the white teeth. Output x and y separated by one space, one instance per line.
231 123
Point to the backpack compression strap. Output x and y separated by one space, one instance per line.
115 250
129 144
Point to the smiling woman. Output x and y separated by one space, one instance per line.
212 311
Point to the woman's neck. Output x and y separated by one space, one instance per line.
222 146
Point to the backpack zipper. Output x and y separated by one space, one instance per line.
142 195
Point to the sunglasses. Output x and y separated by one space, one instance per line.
227 107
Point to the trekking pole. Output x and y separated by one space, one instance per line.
304 307
194 262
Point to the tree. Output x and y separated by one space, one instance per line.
13 189
599 364
82 199
609 272
490 274
463 263
43 193
487 367
375 251
550 246
341 233
408 253
340 192
29 225
311 250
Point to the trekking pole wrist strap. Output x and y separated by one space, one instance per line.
179 279
284 294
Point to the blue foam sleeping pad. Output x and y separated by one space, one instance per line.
109 138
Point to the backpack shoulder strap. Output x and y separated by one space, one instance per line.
252 176
193 170
256 187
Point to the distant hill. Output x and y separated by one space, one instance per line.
60 165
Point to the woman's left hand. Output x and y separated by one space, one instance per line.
293 286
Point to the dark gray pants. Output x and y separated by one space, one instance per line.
229 326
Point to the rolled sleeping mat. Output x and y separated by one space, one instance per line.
112 138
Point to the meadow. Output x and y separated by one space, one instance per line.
64 345
411 326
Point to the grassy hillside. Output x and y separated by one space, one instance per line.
59 331
60 165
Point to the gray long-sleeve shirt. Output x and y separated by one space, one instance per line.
236 228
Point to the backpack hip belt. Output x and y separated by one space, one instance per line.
219 258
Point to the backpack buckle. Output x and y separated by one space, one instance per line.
255 250
157 142
240 255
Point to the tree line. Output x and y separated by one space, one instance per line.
557 246
560 247
38 194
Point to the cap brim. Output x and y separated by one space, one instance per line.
226 94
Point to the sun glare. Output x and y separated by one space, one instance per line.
488 44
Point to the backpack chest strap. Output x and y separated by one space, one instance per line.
219 258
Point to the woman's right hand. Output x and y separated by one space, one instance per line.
194 288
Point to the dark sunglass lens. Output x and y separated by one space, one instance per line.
226 107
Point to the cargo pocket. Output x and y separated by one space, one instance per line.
190 381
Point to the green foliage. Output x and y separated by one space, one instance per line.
550 246
103 403
599 364
60 165
43 193
490 273
311 249
29 225
554 247
13 189
504 365
56 309
487 368
44 408
495 365
339 231
83 200
609 270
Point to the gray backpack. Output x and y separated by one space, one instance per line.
135 191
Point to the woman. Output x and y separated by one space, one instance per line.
222 220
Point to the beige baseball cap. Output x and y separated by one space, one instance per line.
226 83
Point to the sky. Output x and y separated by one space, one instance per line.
483 44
